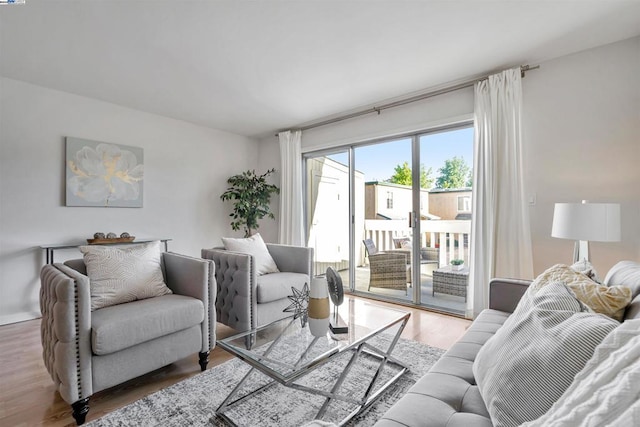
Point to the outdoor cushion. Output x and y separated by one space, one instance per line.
122 326
275 286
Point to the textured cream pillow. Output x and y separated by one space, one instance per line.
608 300
123 274
586 268
559 273
256 247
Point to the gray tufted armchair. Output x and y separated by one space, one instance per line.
87 351
246 300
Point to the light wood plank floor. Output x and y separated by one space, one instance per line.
28 397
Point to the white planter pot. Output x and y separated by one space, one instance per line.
457 267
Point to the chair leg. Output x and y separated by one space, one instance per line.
80 409
203 360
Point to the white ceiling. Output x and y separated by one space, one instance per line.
252 67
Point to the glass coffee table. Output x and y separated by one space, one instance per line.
344 373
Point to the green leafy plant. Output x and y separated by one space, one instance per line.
402 175
251 196
457 261
454 174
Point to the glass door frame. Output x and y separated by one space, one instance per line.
351 191
349 149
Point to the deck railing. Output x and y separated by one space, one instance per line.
450 236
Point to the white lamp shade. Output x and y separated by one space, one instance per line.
596 222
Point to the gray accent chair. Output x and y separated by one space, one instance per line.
88 351
246 300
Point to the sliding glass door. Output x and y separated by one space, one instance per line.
445 225
327 212
383 267
391 215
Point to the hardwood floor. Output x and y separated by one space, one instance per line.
28 396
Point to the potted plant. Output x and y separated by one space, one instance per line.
251 194
457 264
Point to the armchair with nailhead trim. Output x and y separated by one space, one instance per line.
246 300
88 351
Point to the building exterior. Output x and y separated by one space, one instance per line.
328 212
384 200
449 204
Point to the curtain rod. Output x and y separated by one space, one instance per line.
415 98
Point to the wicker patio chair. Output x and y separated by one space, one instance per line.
389 270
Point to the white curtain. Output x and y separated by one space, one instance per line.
501 244
291 231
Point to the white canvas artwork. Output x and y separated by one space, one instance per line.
103 174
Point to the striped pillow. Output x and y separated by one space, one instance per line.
607 391
532 359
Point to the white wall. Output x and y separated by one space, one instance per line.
582 130
186 167
269 157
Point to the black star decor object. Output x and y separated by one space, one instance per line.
299 304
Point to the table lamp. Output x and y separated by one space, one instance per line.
585 222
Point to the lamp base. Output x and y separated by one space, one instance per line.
581 251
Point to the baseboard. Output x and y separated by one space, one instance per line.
19 317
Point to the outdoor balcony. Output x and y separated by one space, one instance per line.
449 237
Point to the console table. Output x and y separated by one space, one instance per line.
452 282
49 249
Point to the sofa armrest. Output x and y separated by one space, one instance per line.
504 294
292 259
236 302
65 303
194 277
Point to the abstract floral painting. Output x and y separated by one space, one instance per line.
103 174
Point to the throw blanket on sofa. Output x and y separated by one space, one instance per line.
607 391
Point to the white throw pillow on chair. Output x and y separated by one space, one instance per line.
123 274
256 247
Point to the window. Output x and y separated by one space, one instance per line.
389 199
464 203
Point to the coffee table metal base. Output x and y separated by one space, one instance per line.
360 404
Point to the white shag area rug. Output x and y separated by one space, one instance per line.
192 402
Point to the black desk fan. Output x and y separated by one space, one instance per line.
336 293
